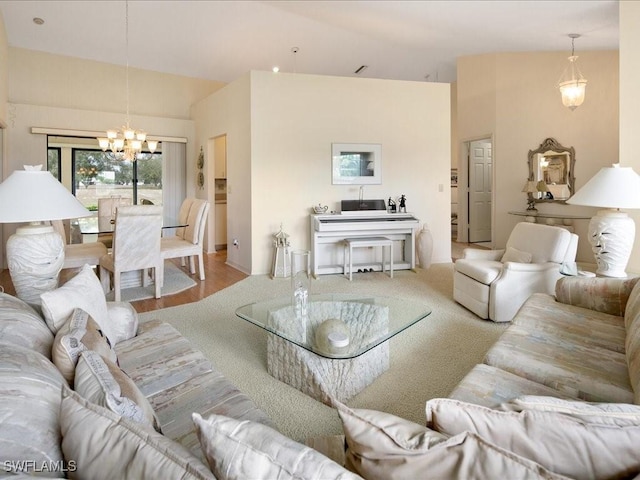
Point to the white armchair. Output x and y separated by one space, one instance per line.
494 284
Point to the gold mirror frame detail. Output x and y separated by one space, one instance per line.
565 158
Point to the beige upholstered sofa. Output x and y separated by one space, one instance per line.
557 396
88 392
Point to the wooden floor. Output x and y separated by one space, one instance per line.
218 275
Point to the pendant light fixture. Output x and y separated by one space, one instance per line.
572 84
126 144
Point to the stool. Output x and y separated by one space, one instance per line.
351 243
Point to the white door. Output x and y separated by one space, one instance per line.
480 175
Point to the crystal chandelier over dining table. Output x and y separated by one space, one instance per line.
126 143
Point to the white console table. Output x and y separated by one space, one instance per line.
556 219
328 232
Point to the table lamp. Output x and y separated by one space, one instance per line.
35 253
530 188
611 231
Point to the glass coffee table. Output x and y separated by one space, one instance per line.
339 347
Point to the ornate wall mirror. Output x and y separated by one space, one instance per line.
551 166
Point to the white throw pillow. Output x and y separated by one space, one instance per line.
123 321
103 445
82 291
515 255
381 446
556 441
239 450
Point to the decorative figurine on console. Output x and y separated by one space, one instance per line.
392 206
403 204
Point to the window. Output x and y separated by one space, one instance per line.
54 161
90 173
98 174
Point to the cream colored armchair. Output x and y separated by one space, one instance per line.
494 284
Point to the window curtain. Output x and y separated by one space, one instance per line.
174 177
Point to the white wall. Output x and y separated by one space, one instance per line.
228 111
280 128
513 97
296 118
630 103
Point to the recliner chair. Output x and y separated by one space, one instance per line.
494 284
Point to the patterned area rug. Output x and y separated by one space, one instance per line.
175 281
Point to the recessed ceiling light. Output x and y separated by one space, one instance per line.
38 20
275 69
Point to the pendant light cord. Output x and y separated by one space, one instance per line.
126 36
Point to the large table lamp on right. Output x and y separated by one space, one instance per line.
611 231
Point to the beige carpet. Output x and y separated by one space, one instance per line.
427 360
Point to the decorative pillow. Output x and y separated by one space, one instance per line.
79 334
559 442
123 321
82 291
240 450
515 255
619 414
102 382
104 445
381 446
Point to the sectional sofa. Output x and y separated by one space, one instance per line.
556 396
86 391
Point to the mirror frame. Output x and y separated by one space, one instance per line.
551 144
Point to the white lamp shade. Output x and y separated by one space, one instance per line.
611 187
32 196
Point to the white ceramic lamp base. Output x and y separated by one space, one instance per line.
35 258
611 234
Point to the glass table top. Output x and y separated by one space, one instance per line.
106 224
338 326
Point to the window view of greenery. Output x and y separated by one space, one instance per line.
90 173
99 174
53 161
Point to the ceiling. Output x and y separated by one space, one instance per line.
222 40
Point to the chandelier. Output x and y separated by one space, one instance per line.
572 84
126 143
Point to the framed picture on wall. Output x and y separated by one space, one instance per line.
356 163
454 177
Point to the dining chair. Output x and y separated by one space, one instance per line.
189 245
78 254
136 246
107 207
183 216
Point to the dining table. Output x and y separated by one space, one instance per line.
98 224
